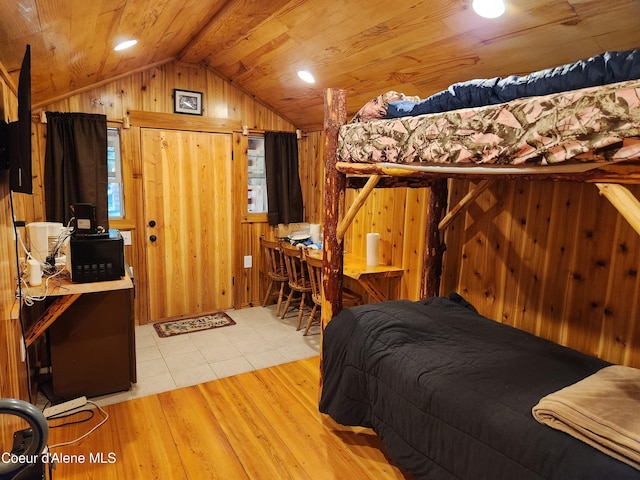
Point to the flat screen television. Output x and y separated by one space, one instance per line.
15 137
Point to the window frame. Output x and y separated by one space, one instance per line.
117 174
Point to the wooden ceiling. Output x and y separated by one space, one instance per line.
366 47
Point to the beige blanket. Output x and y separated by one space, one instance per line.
602 410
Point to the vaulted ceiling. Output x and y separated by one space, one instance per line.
366 47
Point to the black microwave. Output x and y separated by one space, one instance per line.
96 259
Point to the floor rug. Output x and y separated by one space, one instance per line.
193 324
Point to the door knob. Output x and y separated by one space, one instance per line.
152 223
153 238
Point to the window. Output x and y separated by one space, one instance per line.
114 173
257 188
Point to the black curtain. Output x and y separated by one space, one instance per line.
75 168
284 193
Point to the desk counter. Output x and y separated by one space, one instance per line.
356 267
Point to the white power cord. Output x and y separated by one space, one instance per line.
105 417
49 272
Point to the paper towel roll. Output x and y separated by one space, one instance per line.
373 249
314 230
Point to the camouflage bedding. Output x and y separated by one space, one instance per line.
581 125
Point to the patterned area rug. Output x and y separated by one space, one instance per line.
193 324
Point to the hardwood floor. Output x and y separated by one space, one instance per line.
259 425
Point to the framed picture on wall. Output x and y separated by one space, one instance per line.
186 101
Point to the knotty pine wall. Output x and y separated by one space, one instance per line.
151 90
552 258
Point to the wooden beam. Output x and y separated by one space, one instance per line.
335 116
627 172
173 121
6 76
355 207
434 246
358 182
624 201
468 198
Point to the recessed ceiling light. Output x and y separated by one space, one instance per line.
489 8
306 76
124 45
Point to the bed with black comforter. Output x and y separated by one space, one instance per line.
450 393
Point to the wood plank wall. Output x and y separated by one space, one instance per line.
151 91
555 259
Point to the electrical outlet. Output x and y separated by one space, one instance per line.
65 407
248 261
126 237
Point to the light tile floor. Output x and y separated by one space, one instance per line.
259 339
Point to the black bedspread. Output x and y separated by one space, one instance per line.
450 392
603 69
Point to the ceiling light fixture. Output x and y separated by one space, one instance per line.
306 76
489 8
124 45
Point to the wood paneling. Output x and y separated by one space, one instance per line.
148 95
312 177
416 47
552 258
188 182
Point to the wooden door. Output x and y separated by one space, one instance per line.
188 222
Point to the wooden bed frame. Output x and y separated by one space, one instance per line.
608 178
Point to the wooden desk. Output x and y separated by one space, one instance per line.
91 336
356 267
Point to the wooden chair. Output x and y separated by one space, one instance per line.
276 270
298 280
349 297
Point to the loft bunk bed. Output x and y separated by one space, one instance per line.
449 392
586 135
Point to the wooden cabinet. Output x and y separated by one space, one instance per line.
92 346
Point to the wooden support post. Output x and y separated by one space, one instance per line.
356 206
57 308
335 116
462 205
624 201
434 246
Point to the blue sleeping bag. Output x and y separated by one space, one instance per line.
609 67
